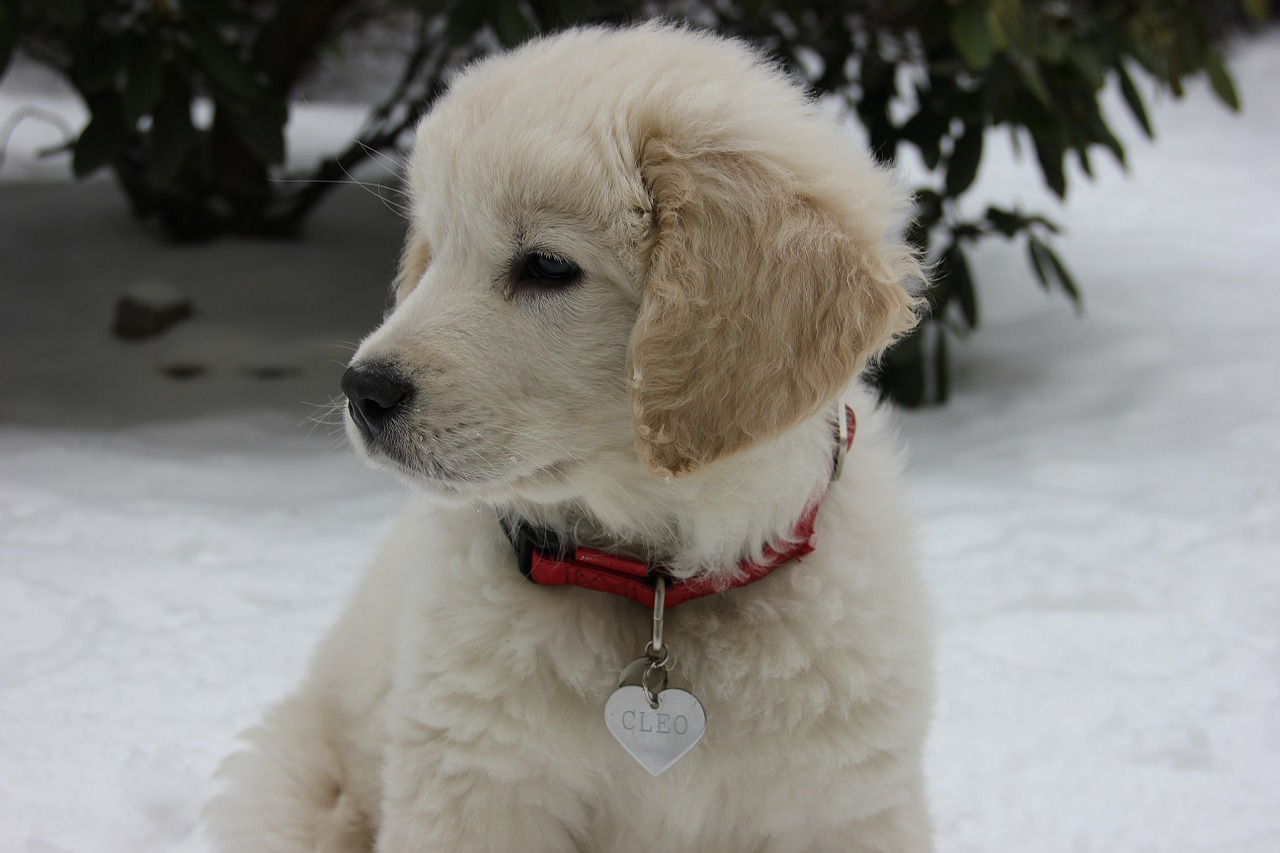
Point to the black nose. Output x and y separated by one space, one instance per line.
375 393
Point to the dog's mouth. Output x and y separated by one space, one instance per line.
466 485
396 448
415 468
421 462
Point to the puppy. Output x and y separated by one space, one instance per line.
643 273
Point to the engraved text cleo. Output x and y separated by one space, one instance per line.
654 722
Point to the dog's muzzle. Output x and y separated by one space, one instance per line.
376 393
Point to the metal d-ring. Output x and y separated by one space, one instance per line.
842 440
649 693
660 659
659 655
659 603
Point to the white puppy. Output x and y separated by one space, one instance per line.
643 271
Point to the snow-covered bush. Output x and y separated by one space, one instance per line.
927 75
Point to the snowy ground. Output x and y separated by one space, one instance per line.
1100 505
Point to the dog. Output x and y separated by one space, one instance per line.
643 276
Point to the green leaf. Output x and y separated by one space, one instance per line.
1065 281
1006 23
1054 42
960 284
970 35
925 131
1035 253
1048 224
102 140
1007 222
230 75
1102 134
1223 87
1086 165
1258 10
1134 101
1050 155
1029 74
1090 68
962 165
144 77
996 28
1050 270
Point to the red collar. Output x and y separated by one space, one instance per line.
544 559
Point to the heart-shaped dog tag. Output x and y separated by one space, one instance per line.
656 737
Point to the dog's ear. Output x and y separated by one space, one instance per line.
413 263
762 299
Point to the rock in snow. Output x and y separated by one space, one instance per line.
148 308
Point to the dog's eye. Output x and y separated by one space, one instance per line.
545 269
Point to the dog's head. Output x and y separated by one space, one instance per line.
637 247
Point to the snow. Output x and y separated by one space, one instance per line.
1100 502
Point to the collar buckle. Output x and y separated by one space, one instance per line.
528 542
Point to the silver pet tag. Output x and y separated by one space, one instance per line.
634 671
656 726
655 737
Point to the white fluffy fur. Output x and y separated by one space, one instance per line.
456 706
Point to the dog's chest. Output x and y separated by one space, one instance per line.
550 658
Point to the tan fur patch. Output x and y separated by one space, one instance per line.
759 306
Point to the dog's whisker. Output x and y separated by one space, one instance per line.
376 190
401 209
391 165
331 418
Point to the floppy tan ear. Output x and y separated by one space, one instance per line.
413 263
762 301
